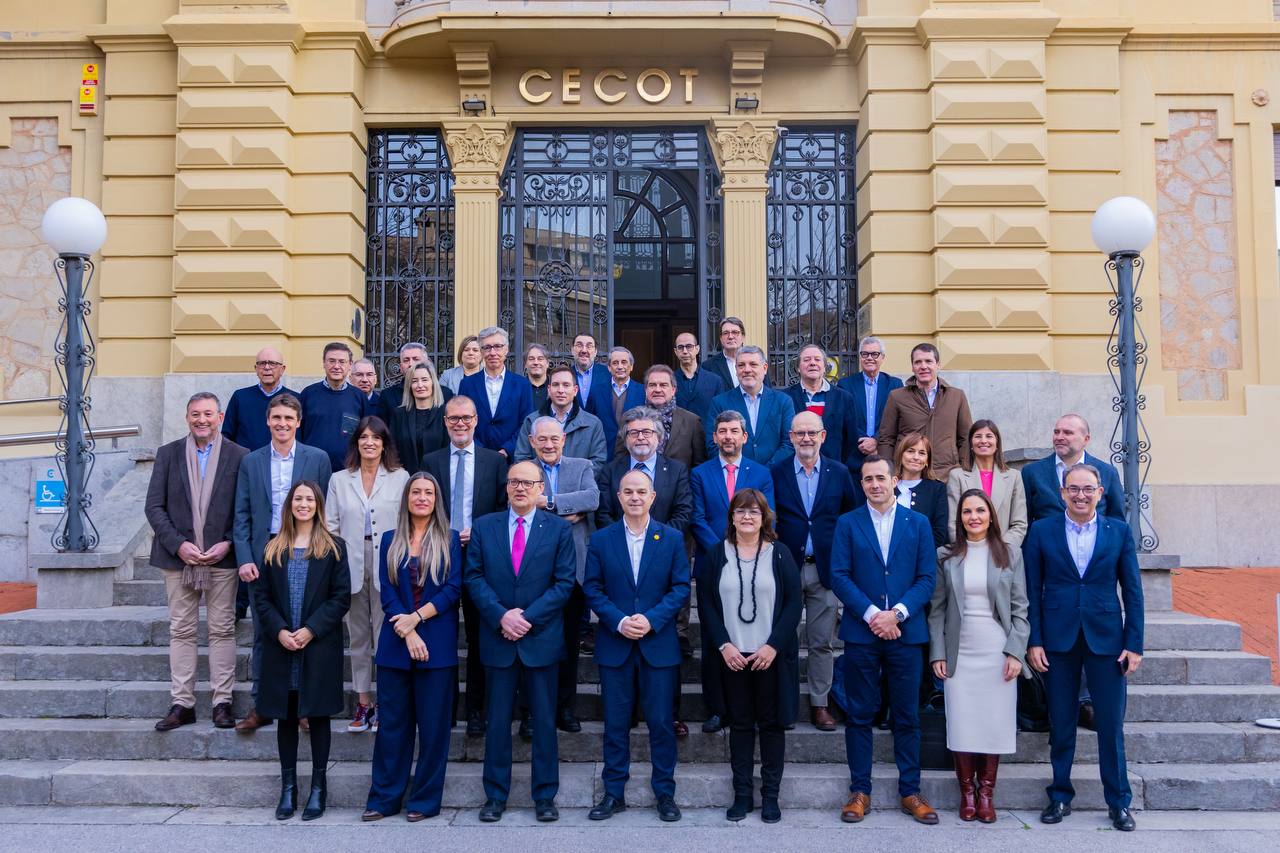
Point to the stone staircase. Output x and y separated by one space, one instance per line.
80 691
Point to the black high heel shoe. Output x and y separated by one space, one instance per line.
288 794
319 796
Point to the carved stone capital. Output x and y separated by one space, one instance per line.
477 145
745 146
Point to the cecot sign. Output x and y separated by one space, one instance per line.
610 85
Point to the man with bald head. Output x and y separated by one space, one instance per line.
1042 480
520 571
245 420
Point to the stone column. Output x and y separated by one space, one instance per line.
745 147
477 148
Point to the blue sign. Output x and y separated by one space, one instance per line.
51 494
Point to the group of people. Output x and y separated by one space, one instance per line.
878 510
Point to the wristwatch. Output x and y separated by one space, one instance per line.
551 505
901 617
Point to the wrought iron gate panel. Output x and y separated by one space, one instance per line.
410 249
558 225
811 248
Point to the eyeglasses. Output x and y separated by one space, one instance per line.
268 364
685 347
747 512
524 484
641 433
806 433
493 347
458 420
1076 491
871 356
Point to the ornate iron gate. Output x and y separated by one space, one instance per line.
565 204
812 251
409 263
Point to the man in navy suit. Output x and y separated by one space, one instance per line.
1074 563
733 333
622 393
593 378
520 572
813 393
883 563
502 398
714 483
767 412
870 389
812 492
637 580
696 386
1042 479
265 477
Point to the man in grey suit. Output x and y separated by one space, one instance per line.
265 477
570 491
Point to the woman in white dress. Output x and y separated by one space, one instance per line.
978 633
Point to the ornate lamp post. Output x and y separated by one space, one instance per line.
75 229
1122 228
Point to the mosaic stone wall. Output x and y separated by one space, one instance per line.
34 172
1199 295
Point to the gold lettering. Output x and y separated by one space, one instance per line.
571 86
644 93
609 97
524 85
688 74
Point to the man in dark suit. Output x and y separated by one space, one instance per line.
473 483
502 398
883 565
1074 563
714 483
673 501
520 571
685 439
536 362
767 412
265 477
696 387
191 505
1042 479
733 333
622 393
411 354
813 393
869 388
637 580
364 375
811 493
593 377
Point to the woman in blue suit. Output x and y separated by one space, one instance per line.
421 574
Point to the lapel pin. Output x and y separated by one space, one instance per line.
656 537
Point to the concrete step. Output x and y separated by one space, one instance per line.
122 739
148 592
1171 629
1190 703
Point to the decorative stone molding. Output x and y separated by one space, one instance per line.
475 73
745 145
476 145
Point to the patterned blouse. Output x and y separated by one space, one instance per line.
297 589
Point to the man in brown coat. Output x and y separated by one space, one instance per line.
927 405
685 440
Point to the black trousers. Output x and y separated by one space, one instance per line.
751 699
287 738
567 683
474 704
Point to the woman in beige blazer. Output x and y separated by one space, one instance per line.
984 468
362 503
978 632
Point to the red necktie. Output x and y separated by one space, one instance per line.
517 546
730 479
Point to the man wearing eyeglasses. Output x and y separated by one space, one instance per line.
520 573
473 483
503 398
245 421
684 438
1074 563
870 388
696 387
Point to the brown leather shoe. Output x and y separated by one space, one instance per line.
222 716
856 809
822 719
177 716
253 722
919 809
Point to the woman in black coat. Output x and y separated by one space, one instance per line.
417 420
917 489
749 602
301 596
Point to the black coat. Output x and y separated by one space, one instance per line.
326 601
417 435
168 503
787 606
488 492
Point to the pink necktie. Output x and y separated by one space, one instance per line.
517 546
730 479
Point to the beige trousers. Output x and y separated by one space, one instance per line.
184 620
364 623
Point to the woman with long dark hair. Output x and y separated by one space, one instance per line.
749 600
984 468
421 573
978 633
301 596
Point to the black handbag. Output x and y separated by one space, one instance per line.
934 754
1033 703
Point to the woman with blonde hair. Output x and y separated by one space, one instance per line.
417 422
421 573
301 596
985 469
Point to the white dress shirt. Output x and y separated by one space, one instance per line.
635 549
493 388
512 515
281 480
1061 467
883 524
733 369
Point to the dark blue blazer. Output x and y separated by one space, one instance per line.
711 501
601 405
498 430
598 387
252 527
837 419
440 632
1060 603
1044 492
853 383
548 572
860 578
697 393
770 441
835 496
613 594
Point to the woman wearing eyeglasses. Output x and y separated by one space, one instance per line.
749 601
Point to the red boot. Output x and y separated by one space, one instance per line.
965 773
987 766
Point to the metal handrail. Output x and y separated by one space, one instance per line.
20 439
25 400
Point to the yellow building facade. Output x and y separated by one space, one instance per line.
245 157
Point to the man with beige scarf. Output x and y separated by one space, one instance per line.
191 507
